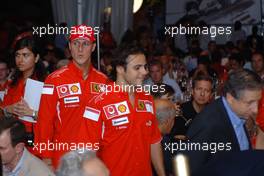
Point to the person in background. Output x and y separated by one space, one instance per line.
156 76
222 121
202 89
164 91
16 159
28 66
258 64
165 114
236 62
4 81
81 163
254 40
4 71
238 33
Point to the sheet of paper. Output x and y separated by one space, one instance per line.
32 96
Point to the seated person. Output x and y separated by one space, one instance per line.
156 76
16 159
81 163
201 95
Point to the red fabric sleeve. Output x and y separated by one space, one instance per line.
44 130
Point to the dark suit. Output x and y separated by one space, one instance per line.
212 128
243 163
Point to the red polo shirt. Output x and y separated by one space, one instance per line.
61 110
128 132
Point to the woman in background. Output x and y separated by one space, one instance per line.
28 65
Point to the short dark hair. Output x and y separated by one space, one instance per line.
155 62
241 80
40 71
201 77
17 129
238 58
167 90
258 53
121 56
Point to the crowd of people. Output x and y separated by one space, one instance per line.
209 96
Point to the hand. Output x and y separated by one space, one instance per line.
22 109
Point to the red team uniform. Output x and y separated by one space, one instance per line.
60 118
127 133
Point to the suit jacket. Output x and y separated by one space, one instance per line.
213 131
243 163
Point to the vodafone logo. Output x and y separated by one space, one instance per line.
111 110
63 90
69 89
116 109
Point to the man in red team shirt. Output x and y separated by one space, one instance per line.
130 136
60 125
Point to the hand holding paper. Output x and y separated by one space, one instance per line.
32 96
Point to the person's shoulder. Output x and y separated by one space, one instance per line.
100 76
57 74
35 166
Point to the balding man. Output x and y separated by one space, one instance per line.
82 163
165 113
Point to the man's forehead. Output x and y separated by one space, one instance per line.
136 59
5 137
81 40
250 95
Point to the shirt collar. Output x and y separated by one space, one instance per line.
18 167
78 71
235 119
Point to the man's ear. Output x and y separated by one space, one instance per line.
69 44
37 58
19 147
94 45
120 69
229 98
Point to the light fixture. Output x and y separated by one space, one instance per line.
137 4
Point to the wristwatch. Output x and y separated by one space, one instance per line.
34 115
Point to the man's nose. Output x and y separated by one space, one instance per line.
80 48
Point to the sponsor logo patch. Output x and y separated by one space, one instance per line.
144 106
116 109
120 121
69 89
71 100
97 87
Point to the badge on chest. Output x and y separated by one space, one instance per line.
144 106
117 109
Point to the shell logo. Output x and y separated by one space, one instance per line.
74 88
122 108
